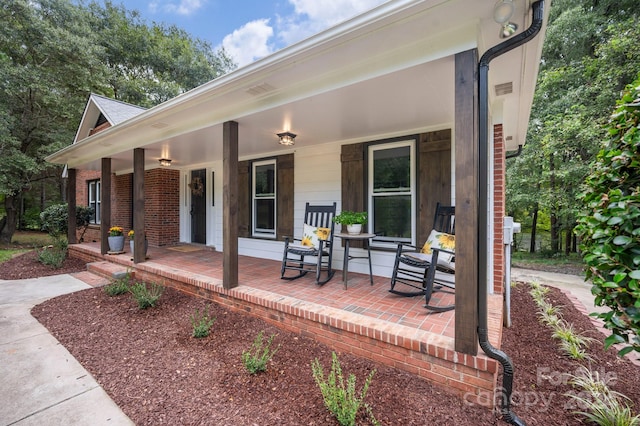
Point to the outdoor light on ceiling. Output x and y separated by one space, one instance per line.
502 12
287 138
165 162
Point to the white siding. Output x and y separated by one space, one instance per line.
317 180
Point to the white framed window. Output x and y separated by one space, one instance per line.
93 193
264 198
391 192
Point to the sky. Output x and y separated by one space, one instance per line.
250 29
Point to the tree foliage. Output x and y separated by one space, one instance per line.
610 227
591 51
54 53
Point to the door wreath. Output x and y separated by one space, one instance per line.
197 187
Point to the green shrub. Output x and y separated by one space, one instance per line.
118 286
55 218
31 219
201 323
341 399
256 358
55 254
146 296
609 226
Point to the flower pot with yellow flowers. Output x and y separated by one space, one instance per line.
131 236
116 239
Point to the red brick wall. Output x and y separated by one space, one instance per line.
121 204
162 204
498 208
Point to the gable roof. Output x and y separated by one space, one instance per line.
100 108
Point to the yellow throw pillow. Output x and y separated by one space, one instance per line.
311 235
442 241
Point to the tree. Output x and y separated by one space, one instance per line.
591 49
53 54
48 59
610 224
152 64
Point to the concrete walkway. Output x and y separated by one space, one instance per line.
41 382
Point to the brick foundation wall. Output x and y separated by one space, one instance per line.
498 208
430 356
472 378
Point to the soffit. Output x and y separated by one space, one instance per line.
375 76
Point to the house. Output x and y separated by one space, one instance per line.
399 86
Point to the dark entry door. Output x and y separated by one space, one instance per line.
198 189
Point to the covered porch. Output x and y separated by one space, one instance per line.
365 320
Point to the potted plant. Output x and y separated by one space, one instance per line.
353 220
116 239
131 236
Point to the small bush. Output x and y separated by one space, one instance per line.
146 297
602 405
340 399
202 323
54 219
118 286
55 254
260 353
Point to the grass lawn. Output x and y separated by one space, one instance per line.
22 242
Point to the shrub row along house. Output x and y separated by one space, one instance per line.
404 88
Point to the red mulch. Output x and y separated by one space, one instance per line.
27 266
158 374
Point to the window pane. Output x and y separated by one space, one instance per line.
265 182
392 170
392 217
265 215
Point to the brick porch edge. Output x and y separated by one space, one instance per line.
428 355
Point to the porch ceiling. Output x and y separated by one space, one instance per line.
386 73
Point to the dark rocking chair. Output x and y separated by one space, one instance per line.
316 243
416 267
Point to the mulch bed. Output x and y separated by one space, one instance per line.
158 374
27 266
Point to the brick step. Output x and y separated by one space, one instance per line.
107 269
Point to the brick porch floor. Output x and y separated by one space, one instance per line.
363 319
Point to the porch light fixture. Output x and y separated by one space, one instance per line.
502 12
287 138
165 162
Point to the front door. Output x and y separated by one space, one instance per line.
198 189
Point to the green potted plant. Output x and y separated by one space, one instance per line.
353 220
116 239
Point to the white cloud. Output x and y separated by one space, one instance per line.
254 39
182 7
249 42
312 16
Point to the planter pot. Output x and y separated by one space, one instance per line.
116 243
354 229
146 246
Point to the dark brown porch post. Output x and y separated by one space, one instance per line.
466 172
105 204
138 205
71 203
230 204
